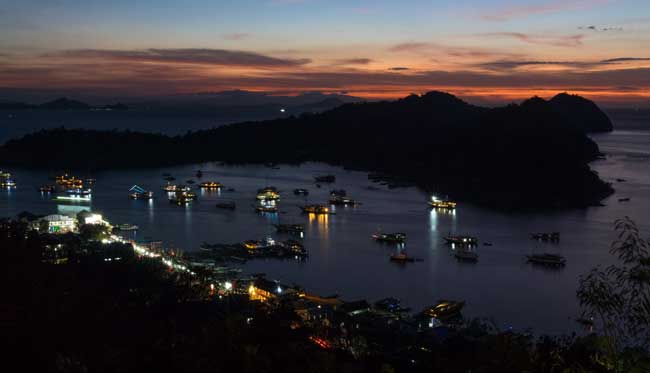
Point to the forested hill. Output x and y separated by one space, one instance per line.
534 154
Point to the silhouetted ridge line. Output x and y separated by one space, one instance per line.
532 155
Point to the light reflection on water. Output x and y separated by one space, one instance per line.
344 259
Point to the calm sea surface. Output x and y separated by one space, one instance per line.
344 260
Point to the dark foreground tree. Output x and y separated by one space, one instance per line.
617 299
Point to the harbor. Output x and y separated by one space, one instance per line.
342 256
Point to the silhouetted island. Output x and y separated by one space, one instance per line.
529 155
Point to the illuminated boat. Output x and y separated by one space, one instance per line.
315 209
397 237
47 189
301 192
210 185
183 197
551 260
325 179
91 181
442 203
137 192
173 188
461 240
126 227
295 247
76 195
444 309
69 181
268 194
466 255
290 228
6 181
547 237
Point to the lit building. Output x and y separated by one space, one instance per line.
60 224
264 290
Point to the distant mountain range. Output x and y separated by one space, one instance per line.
225 101
59 104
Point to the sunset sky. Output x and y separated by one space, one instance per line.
481 50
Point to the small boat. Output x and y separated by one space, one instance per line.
487 243
91 181
47 189
466 255
199 174
620 180
182 197
626 199
69 181
170 188
226 205
268 194
437 203
397 237
343 201
552 260
126 227
166 174
210 185
552 236
137 192
170 178
444 309
230 190
76 195
325 179
401 258
290 228
461 240
315 209
338 193
301 192
190 181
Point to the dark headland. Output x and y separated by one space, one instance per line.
530 155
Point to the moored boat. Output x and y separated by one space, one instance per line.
315 209
126 227
461 240
268 194
210 185
342 201
301 192
183 197
444 309
547 237
290 228
396 237
137 192
442 203
76 195
47 189
551 260
401 258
